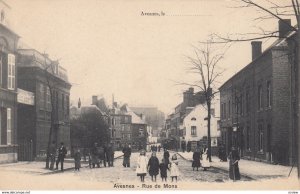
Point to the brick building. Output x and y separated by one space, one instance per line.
257 113
8 89
48 81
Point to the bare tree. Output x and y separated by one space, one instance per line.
204 64
278 10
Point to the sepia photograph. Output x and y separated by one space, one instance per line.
152 95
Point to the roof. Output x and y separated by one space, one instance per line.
276 43
135 119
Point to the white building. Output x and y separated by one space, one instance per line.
195 127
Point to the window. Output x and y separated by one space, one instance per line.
241 105
247 102
225 116
194 131
229 109
68 105
269 94
123 128
248 138
261 137
8 126
193 119
141 132
259 97
11 72
236 105
129 136
48 98
63 102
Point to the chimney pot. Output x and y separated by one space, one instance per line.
284 27
94 100
256 49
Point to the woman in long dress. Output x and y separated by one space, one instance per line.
196 159
142 162
234 172
205 160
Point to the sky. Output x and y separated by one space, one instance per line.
110 47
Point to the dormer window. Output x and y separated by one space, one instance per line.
193 119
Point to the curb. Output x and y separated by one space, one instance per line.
221 169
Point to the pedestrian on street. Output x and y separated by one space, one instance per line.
174 171
110 155
234 172
222 153
141 169
127 153
196 159
153 166
163 170
205 160
62 151
77 158
159 147
94 156
166 156
105 161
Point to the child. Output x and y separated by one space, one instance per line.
205 160
174 171
163 170
77 158
142 162
153 165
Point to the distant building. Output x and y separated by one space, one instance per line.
258 104
48 81
195 129
8 88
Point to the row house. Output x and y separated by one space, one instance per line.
257 104
8 89
48 81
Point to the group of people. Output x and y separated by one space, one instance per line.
101 155
61 153
200 159
155 148
153 166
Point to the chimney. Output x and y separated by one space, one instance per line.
256 49
191 90
94 100
284 27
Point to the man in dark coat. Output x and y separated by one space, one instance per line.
52 155
110 155
62 151
234 172
166 157
196 159
127 153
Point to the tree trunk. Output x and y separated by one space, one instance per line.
208 129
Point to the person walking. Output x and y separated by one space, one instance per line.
205 160
163 170
196 159
174 171
234 172
52 155
166 156
62 151
127 153
153 165
141 169
77 158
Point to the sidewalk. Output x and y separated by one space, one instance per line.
249 168
38 167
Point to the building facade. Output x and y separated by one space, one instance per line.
48 81
257 113
8 89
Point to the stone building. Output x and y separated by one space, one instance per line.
48 81
257 104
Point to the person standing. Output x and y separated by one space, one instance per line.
205 160
153 165
94 156
77 158
126 158
234 172
141 169
174 171
111 154
62 151
196 159
166 156
163 170
52 155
